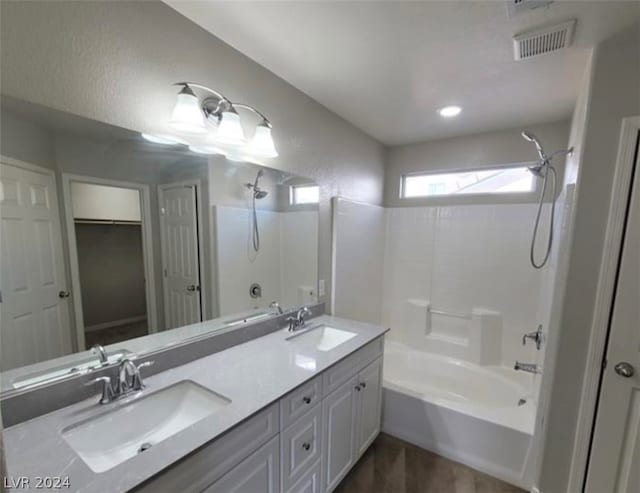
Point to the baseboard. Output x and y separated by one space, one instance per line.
466 459
114 323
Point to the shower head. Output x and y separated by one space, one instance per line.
258 193
532 138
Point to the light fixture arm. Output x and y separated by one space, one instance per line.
265 120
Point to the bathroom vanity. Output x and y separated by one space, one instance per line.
288 412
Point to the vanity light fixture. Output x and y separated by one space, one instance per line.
449 111
212 125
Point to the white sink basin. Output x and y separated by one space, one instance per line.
107 440
322 337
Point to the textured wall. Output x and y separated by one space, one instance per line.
613 95
116 61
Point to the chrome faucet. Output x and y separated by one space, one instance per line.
299 320
528 367
276 305
129 380
536 336
101 353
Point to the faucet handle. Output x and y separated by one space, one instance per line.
137 379
107 389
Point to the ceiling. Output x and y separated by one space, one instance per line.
387 67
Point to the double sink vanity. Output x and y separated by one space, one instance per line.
290 411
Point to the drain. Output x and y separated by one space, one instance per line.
522 402
144 446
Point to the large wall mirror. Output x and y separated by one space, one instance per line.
109 239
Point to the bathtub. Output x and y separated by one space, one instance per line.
481 416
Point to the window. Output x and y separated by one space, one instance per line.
304 194
513 179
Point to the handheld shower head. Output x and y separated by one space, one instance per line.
532 138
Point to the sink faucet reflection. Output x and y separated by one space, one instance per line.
276 305
129 380
101 353
299 320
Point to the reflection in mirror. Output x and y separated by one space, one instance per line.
110 239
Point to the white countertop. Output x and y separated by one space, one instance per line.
252 375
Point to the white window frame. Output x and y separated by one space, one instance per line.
479 197
292 188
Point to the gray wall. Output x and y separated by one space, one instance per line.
469 152
116 61
26 141
613 95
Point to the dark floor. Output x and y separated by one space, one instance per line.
112 335
393 466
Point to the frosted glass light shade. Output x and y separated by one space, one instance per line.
187 115
230 130
262 142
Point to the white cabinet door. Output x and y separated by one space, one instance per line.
181 263
258 473
339 412
35 312
369 405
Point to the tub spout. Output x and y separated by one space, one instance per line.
528 367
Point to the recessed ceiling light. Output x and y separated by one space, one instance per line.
449 111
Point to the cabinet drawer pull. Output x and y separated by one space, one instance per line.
358 388
307 400
306 445
363 384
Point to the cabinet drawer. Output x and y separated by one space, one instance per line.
258 473
345 369
197 471
301 446
299 401
309 482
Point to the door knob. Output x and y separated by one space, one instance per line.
191 287
64 294
624 369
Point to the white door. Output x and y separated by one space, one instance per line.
35 312
369 405
338 411
258 473
181 265
614 465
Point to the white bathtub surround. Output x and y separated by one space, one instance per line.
468 336
287 239
468 413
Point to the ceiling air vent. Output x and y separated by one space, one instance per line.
545 40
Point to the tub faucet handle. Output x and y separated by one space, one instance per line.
537 336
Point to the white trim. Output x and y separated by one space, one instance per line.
604 298
36 168
147 241
114 323
204 294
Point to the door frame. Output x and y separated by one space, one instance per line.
204 298
36 168
149 273
612 250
